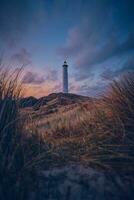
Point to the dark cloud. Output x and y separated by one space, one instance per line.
33 78
112 48
87 89
22 57
52 75
88 54
110 74
83 76
96 90
36 78
106 32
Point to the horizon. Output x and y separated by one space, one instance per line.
95 37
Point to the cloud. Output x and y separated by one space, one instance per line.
87 53
38 90
104 33
43 89
22 57
37 78
112 48
82 76
94 89
41 83
52 75
32 77
110 74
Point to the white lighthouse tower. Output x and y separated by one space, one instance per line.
65 77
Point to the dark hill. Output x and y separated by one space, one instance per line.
27 102
53 99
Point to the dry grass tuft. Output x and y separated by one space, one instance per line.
120 102
20 149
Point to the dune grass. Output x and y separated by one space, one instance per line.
20 149
98 133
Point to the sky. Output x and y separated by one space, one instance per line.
96 37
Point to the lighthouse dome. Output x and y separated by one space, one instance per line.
65 63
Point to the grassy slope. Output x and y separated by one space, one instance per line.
98 133
20 150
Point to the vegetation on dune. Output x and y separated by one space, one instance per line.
98 133
120 101
19 149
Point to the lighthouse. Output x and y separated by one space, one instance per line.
65 77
